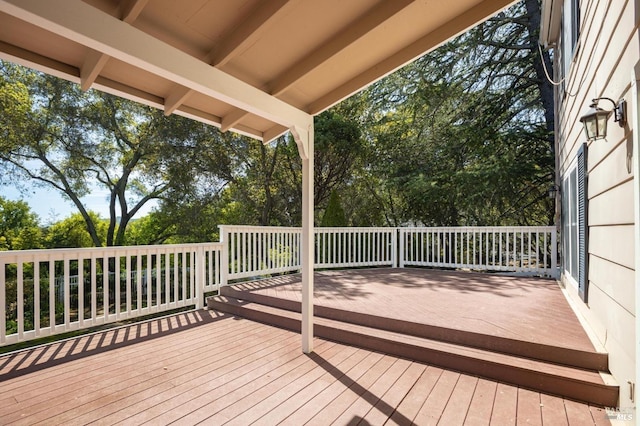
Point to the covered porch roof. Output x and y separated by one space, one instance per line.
256 67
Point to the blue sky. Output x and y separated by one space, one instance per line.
51 207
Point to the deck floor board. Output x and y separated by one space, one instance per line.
521 308
220 369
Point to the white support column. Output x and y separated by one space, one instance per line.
304 139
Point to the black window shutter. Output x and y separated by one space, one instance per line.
583 230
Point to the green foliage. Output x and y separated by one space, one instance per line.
338 145
147 230
72 232
19 229
462 136
72 142
15 105
334 213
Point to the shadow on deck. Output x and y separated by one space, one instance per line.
511 329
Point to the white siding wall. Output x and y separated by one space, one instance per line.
607 52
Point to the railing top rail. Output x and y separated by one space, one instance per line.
368 228
354 228
478 228
105 250
256 227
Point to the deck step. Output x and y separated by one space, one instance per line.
587 385
591 360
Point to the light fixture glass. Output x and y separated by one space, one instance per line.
595 120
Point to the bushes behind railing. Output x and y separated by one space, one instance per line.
46 292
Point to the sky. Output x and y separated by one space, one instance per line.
51 207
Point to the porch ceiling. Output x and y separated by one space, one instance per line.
256 67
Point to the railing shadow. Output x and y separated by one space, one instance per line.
340 284
355 284
461 281
56 353
375 401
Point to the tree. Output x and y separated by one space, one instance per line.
72 232
73 141
19 229
463 136
265 188
334 213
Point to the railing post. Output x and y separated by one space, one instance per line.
200 280
224 256
554 253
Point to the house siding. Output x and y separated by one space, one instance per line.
602 66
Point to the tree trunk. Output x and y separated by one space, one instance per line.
544 85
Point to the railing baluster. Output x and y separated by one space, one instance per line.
52 295
36 296
66 294
138 282
185 278
20 299
116 283
80 291
521 254
158 281
105 288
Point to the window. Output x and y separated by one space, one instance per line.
574 223
569 39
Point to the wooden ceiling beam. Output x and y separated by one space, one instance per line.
375 17
355 31
175 99
91 68
273 133
95 61
86 25
232 119
251 29
131 9
243 36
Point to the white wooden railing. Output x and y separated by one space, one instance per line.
41 292
257 251
45 292
260 250
529 250
355 247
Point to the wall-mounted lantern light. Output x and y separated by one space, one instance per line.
553 190
595 120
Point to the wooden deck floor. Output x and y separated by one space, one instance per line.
206 367
521 308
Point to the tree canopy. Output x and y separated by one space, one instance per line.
73 142
19 228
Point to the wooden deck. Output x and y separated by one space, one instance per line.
520 308
205 367
208 367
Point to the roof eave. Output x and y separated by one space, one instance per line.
550 22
